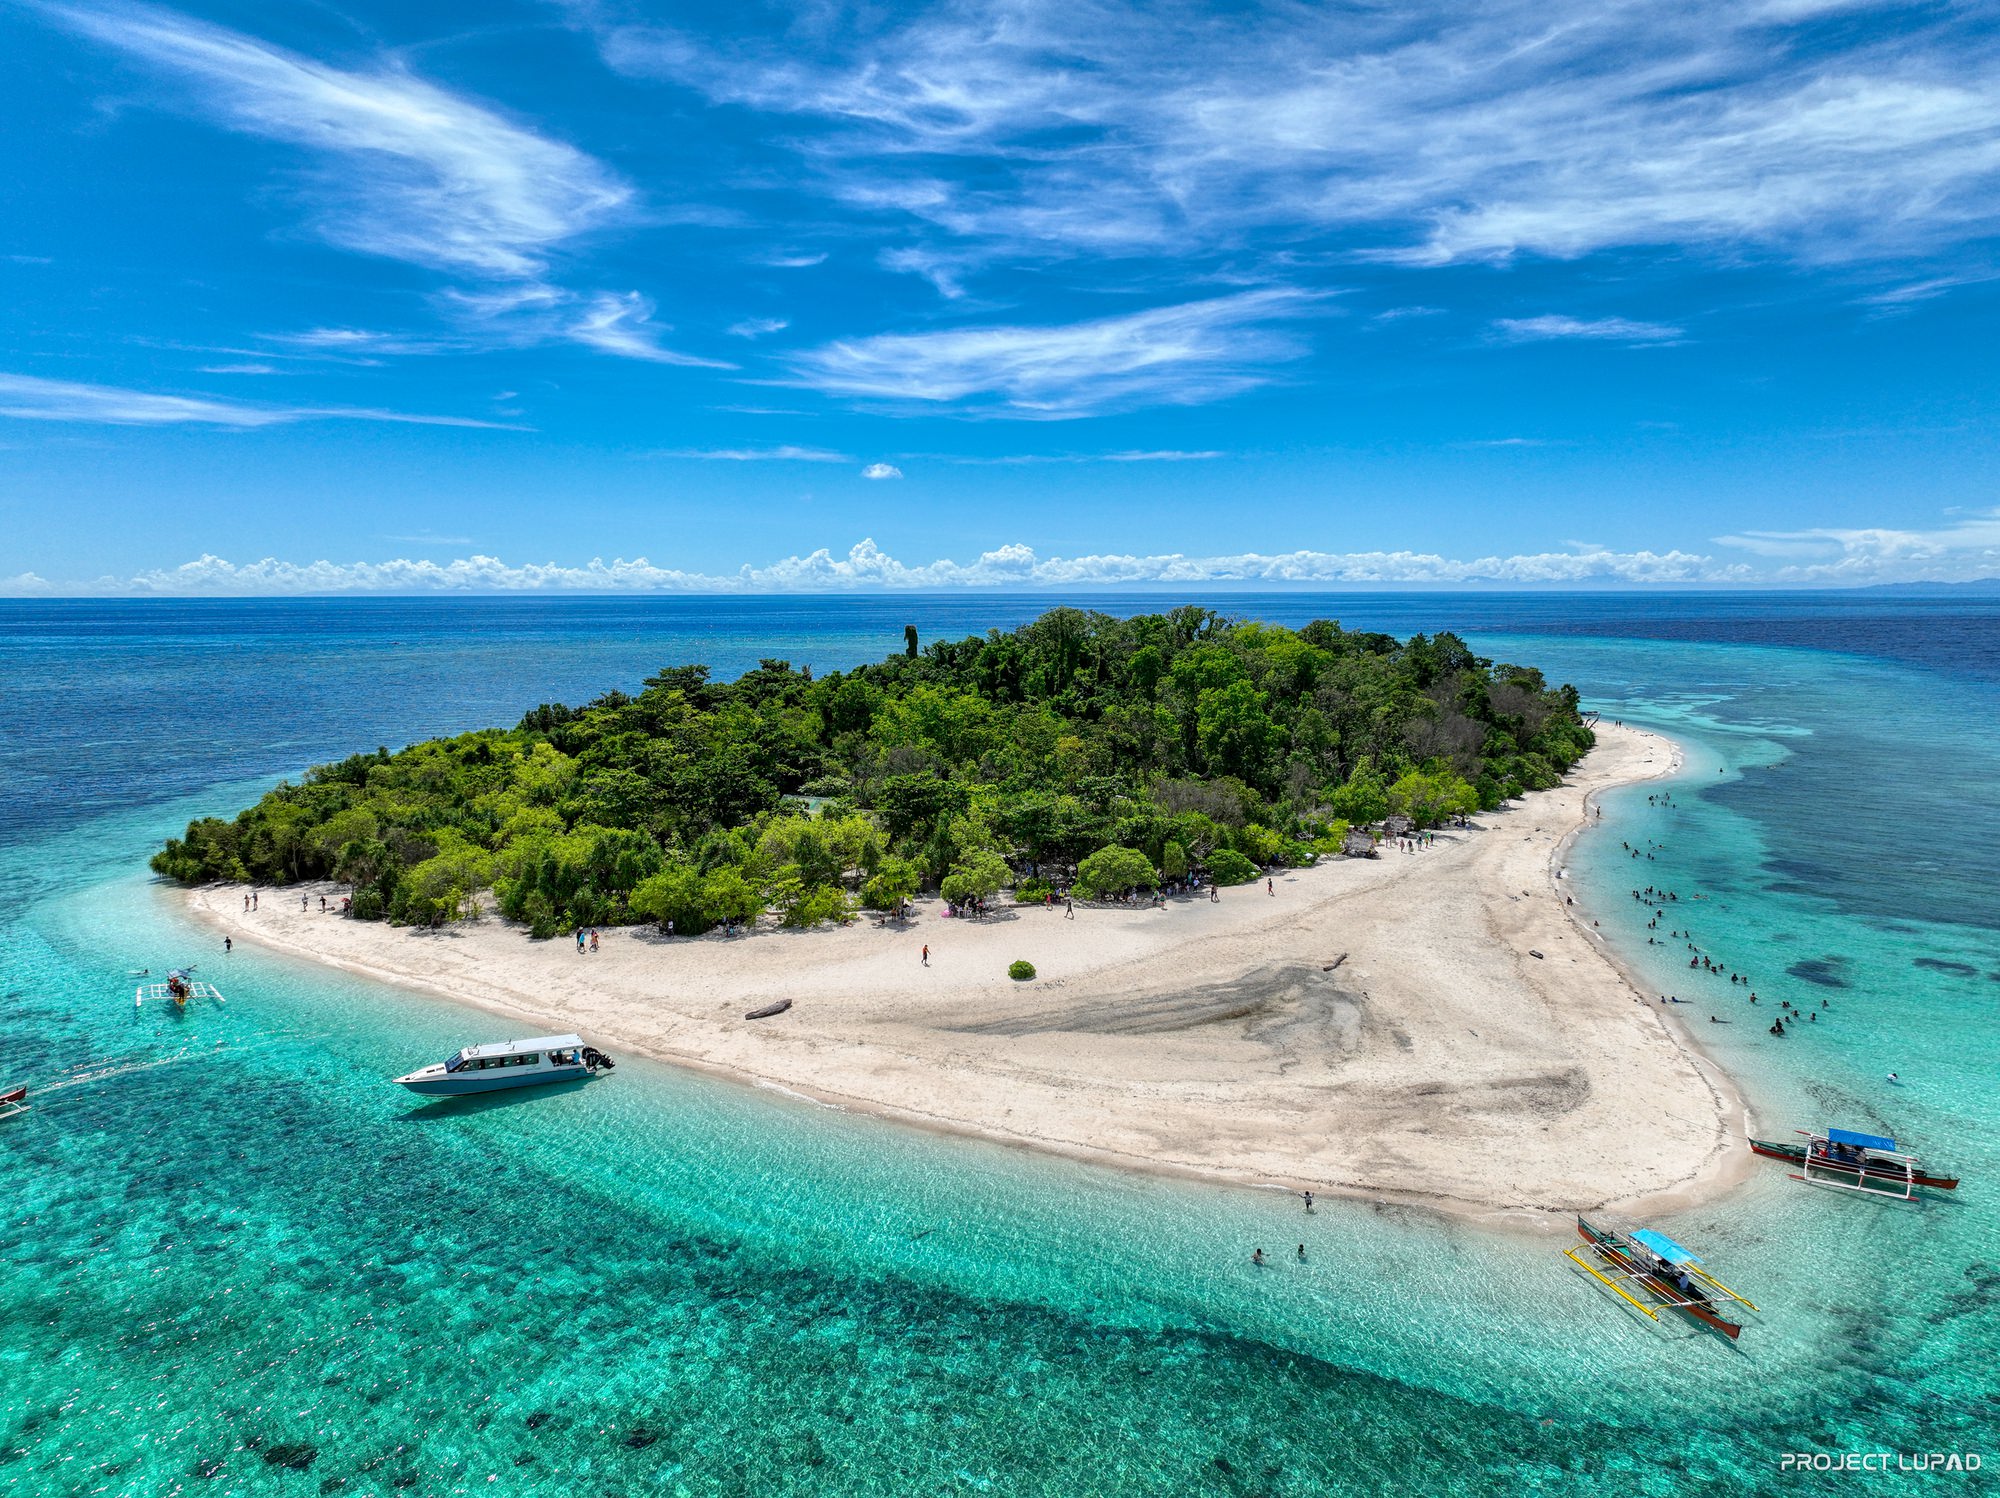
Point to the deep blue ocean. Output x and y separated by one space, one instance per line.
233 1261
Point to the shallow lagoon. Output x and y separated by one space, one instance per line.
231 1250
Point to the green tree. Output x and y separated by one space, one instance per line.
979 877
726 895
1227 866
1364 798
1111 871
674 895
894 881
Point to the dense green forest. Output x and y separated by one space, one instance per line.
1106 754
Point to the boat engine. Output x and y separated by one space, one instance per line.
596 1060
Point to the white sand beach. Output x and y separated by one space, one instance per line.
1439 1062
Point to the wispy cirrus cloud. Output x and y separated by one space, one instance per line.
407 169
1968 546
29 398
1555 326
1433 132
623 325
785 454
1181 355
1024 460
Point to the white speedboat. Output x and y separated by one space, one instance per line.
508 1063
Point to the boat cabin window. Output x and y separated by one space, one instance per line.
463 1062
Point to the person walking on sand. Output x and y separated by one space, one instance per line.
593 938
253 899
1270 889
927 954
246 904
1069 908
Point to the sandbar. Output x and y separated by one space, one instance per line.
1371 1027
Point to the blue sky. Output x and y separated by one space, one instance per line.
388 297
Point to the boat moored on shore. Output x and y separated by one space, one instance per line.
1652 1273
508 1063
1851 1161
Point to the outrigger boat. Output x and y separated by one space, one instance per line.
13 1102
181 985
1653 1273
1848 1161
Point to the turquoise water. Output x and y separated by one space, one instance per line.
235 1262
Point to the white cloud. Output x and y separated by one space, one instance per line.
758 327
1613 329
1199 351
1164 455
1968 548
27 398
881 471
408 170
623 325
1436 131
944 272
757 454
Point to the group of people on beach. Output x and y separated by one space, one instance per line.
586 934
343 903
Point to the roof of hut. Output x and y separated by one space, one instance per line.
1358 844
1397 825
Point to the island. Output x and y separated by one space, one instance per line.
1174 891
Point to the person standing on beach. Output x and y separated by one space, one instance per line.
253 899
1069 908
1270 889
593 938
246 904
927 954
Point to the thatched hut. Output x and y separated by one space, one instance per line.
1357 844
1398 825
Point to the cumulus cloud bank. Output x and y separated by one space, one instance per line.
1967 547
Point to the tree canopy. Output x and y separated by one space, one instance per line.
1172 736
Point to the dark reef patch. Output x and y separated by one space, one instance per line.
1827 972
1940 965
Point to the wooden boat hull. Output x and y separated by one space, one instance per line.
1606 1245
1796 1154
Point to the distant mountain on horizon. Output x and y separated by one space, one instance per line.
1978 585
